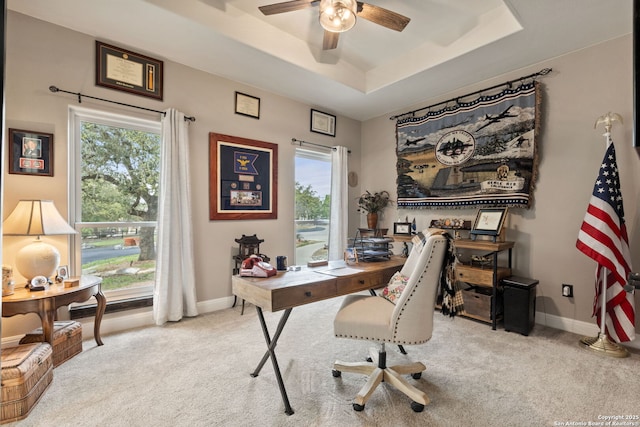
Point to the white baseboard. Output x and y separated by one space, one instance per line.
589 329
118 322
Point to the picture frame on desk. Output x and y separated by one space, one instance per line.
402 228
62 273
351 256
489 222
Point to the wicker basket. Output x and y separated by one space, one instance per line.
67 340
27 371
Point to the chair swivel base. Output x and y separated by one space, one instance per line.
379 372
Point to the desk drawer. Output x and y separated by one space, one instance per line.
303 294
363 282
479 276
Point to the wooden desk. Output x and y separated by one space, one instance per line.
294 288
45 303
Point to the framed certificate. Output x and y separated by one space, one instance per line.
247 105
323 123
121 69
489 221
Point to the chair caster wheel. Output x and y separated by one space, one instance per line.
357 407
336 373
417 407
416 376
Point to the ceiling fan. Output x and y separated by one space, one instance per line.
337 16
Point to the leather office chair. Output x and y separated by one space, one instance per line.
409 321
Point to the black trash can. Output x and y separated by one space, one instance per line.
519 304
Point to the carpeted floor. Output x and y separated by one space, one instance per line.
196 373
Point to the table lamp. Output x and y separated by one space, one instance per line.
38 259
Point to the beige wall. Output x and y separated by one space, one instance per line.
582 86
40 54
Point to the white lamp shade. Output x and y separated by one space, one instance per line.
338 16
35 218
37 259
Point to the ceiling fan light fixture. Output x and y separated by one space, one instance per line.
338 16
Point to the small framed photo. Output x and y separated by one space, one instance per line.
489 221
351 256
323 123
30 152
402 228
62 273
247 105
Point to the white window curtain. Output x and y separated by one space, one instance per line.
339 203
174 294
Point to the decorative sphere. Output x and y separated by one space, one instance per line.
37 259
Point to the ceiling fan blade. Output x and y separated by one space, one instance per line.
330 40
287 6
382 16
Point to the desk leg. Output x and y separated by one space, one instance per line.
270 353
102 305
494 293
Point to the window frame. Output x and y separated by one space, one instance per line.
77 115
310 154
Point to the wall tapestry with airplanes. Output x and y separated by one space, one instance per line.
477 153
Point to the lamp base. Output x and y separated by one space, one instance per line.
603 345
37 259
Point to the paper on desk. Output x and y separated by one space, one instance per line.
340 271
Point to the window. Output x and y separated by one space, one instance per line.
312 205
114 177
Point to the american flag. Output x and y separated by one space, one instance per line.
603 237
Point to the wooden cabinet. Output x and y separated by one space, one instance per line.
482 272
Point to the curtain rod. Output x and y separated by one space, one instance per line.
300 142
542 72
79 95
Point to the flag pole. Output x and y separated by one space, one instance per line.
601 343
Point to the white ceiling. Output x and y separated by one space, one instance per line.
447 45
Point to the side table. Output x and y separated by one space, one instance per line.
45 303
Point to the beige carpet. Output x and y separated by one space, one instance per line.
196 373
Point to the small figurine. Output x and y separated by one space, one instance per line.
413 226
405 250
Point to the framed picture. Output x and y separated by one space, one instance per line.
489 221
402 228
30 152
323 123
351 256
121 69
247 105
62 273
243 178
